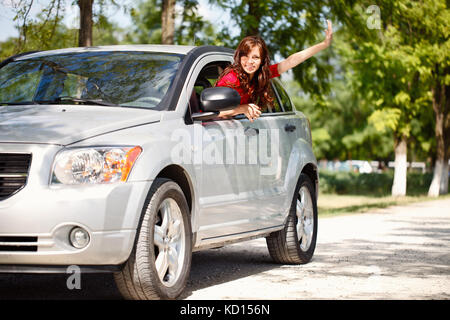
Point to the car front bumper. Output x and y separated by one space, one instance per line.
35 223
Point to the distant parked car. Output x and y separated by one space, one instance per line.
361 166
112 159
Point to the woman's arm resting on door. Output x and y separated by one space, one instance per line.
251 111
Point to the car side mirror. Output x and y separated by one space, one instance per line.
219 99
214 100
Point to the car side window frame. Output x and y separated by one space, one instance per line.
277 99
196 70
283 96
277 96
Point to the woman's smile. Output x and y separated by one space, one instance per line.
251 62
249 68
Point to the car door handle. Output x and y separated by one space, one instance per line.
249 131
289 128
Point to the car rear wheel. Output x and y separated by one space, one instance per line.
295 244
159 265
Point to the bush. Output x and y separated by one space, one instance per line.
376 184
418 183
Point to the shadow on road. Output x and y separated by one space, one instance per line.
209 268
54 287
370 257
217 266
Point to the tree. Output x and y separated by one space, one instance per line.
342 128
168 21
86 23
441 108
92 17
395 74
45 29
146 17
425 30
47 22
391 69
431 21
191 28
288 26
194 29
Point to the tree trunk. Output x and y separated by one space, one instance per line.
399 185
438 184
441 108
85 33
168 21
443 187
255 13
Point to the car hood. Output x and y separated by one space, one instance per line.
66 124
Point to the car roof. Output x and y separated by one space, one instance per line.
176 49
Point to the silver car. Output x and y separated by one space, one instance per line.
113 159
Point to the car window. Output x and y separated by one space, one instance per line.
207 78
285 100
25 77
212 71
276 103
134 79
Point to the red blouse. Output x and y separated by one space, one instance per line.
231 80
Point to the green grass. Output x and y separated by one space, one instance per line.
349 192
333 204
376 184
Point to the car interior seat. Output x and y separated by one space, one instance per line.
200 84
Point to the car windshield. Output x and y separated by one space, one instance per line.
127 79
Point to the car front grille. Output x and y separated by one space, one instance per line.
13 173
14 244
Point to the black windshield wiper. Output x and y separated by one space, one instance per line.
99 102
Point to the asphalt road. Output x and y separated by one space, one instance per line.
393 253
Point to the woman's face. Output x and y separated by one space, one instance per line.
251 62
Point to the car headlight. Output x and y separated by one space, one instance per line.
94 165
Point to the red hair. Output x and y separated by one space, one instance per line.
259 86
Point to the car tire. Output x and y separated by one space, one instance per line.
295 244
160 262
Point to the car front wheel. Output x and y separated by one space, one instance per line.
159 265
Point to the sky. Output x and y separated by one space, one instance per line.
71 15
6 22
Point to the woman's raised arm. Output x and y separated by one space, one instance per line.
297 58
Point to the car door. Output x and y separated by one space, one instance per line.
277 133
226 170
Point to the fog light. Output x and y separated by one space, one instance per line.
79 238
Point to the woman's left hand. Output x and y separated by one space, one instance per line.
251 111
328 34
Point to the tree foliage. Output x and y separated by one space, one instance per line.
287 27
385 77
47 31
388 59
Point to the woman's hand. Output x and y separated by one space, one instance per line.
328 34
251 111
295 59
